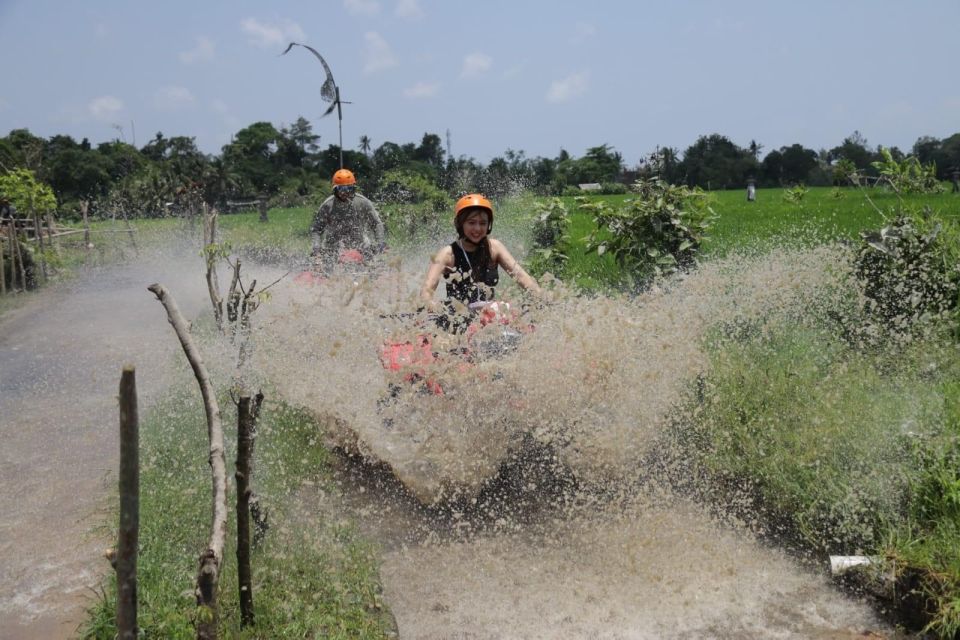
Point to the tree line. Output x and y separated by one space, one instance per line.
287 166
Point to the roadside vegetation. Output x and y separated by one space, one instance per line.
314 576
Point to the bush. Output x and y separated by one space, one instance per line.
908 269
550 238
907 176
417 202
654 233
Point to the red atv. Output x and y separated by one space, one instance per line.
349 259
492 329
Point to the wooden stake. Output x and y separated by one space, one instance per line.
211 559
126 557
3 269
246 435
84 206
38 234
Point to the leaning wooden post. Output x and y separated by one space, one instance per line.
126 558
246 433
212 558
209 254
262 206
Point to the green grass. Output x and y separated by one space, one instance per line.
312 576
752 226
840 449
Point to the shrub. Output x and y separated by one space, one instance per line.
550 237
908 269
795 194
907 176
654 233
418 202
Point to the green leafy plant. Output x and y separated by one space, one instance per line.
416 203
656 232
550 237
795 194
908 269
845 172
908 175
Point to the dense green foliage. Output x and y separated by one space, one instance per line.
655 232
170 175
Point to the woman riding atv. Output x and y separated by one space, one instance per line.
470 263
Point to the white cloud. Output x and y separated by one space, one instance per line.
202 52
362 7
582 32
265 34
422 90
172 98
377 53
568 88
105 108
474 64
409 9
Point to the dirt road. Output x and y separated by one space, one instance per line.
61 355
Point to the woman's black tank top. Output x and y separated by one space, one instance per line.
460 283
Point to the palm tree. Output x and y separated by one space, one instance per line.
365 145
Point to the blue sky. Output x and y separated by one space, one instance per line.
498 74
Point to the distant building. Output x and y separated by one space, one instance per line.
590 186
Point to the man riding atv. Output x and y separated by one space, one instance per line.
347 224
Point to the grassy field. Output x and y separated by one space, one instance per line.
821 216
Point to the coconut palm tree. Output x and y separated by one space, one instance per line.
365 145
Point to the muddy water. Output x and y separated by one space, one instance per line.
61 355
586 545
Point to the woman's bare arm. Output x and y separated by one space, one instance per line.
440 263
504 258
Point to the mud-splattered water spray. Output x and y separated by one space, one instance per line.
578 540
330 92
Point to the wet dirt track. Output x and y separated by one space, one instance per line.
61 355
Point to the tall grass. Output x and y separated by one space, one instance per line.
313 576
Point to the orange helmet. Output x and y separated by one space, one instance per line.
344 177
471 201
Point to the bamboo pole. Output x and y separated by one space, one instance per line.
211 559
3 269
126 558
18 259
246 434
38 234
133 238
84 206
